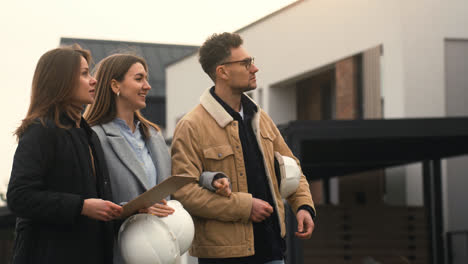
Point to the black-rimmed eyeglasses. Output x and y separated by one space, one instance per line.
246 62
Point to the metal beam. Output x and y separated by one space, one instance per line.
433 204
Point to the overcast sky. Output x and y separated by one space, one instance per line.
28 28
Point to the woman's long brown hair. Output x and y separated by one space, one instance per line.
104 110
56 76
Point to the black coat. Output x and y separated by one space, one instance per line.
51 176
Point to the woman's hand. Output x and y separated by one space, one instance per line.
160 209
100 209
222 186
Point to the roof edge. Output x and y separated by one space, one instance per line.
100 41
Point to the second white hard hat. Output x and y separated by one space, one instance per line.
145 238
181 224
289 174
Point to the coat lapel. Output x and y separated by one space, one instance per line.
160 156
125 153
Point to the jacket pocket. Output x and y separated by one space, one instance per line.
220 159
218 153
222 234
268 135
268 138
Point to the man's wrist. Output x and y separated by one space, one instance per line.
308 209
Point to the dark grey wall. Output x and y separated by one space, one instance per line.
456 103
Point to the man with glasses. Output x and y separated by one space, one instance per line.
229 133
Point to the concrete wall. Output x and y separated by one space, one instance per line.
185 82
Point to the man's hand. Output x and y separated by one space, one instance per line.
260 210
101 210
160 209
222 186
305 224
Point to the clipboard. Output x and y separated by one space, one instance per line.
156 194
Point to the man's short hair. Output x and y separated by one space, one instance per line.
216 49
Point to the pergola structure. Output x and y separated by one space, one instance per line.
337 148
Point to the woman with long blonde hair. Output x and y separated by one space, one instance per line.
134 149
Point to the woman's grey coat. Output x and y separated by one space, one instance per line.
127 175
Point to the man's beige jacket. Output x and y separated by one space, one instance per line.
207 139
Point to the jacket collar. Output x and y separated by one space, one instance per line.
216 110
67 121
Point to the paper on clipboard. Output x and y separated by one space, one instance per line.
156 194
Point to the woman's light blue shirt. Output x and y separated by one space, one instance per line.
137 142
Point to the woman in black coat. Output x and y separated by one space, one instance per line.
59 187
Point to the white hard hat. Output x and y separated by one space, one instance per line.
181 224
145 238
288 174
